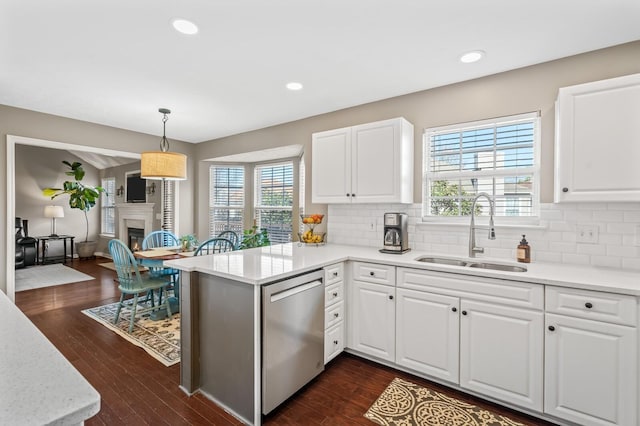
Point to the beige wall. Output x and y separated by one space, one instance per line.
527 89
20 122
38 168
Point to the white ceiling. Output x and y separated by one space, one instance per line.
116 62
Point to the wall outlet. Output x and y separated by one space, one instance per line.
587 234
372 225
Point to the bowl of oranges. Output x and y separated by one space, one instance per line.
311 219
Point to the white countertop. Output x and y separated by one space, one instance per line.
38 385
264 265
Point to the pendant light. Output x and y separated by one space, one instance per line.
163 164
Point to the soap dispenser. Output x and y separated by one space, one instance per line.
524 251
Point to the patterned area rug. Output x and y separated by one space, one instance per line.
161 338
407 404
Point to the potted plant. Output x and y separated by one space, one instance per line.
189 242
254 237
82 197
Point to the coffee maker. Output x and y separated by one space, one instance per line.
396 238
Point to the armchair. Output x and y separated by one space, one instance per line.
26 246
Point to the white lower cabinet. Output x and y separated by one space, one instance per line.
590 371
372 312
427 333
568 353
501 352
333 311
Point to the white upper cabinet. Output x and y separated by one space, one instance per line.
369 163
597 148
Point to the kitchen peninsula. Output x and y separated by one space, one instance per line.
221 304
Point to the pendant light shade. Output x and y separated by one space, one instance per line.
163 164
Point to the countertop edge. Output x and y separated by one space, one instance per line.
560 275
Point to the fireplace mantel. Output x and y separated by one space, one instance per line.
134 215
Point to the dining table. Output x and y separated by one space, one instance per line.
154 259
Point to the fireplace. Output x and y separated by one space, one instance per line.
134 215
135 237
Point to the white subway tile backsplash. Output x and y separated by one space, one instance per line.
609 262
620 228
555 241
631 216
608 216
591 249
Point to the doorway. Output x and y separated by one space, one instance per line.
12 141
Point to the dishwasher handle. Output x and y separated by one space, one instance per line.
294 290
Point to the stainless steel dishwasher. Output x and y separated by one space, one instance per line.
292 336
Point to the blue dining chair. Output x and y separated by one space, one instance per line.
160 239
132 283
156 239
231 236
214 245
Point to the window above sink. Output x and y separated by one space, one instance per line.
498 156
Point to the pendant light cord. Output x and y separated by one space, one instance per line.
164 142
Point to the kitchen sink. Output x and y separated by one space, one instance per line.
471 264
497 267
442 261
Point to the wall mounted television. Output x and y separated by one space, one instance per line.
136 189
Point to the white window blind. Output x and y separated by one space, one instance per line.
108 203
168 205
497 156
226 199
274 200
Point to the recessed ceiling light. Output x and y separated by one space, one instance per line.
185 27
294 85
470 57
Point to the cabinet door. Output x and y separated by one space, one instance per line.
590 371
331 166
501 352
427 333
382 161
598 141
372 320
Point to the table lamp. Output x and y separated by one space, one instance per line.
53 212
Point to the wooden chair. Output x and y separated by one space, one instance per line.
131 282
214 245
161 238
231 236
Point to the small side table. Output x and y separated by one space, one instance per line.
41 248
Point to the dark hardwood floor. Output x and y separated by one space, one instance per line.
137 389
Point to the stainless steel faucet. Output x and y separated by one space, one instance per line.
472 226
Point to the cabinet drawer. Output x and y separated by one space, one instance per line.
594 305
333 314
374 273
334 294
333 274
514 293
333 341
